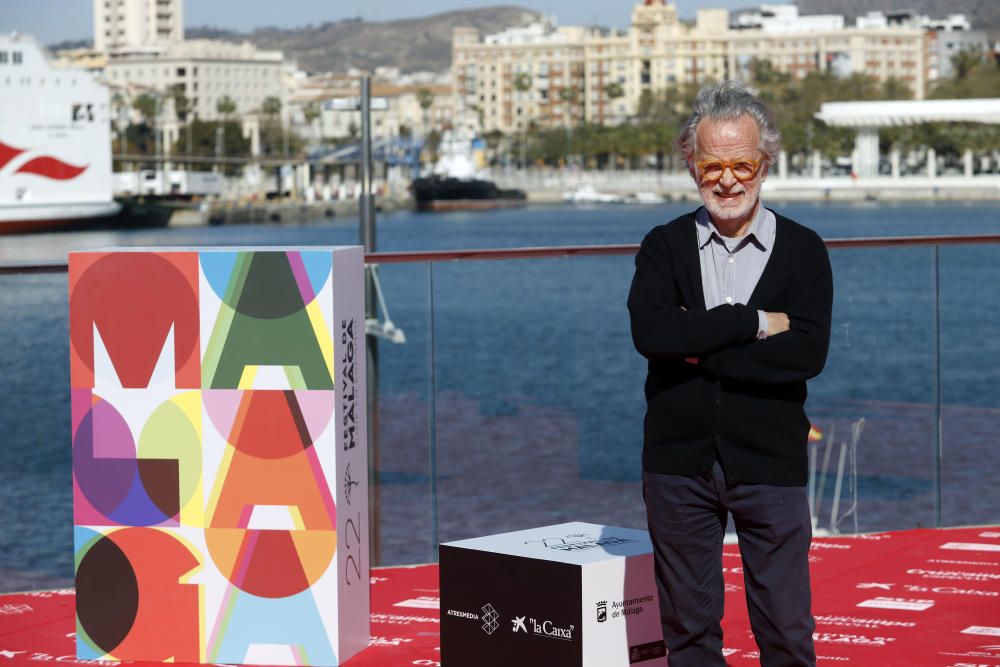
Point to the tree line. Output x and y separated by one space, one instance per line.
647 139
199 138
644 140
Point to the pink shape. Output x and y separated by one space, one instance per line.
112 437
317 410
301 277
222 406
80 402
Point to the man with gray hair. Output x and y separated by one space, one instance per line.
731 306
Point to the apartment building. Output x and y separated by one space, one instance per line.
400 106
132 23
557 76
206 72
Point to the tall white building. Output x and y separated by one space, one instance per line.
137 23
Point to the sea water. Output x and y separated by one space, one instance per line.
517 397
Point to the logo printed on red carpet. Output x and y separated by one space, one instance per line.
970 546
978 563
857 640
982 630
422 602
951 590
15 609
906 604
860 622
981 652
884 587
961 575
398 619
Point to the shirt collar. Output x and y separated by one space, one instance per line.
707 230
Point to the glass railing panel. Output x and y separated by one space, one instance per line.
874 403
516 401
970 384
36 491
402 503
539 399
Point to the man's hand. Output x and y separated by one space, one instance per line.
777 323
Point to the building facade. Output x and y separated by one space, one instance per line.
564 76
137 23
399 109
204 71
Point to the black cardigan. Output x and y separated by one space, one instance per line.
743 402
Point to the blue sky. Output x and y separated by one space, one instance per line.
57 20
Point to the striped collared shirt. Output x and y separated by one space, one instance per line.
731 267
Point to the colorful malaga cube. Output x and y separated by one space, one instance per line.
219 455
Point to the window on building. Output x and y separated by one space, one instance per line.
16 57
3 57
181 71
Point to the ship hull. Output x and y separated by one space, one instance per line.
26 219
453 194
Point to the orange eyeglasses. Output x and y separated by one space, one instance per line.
742 169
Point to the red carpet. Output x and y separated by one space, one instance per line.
909 598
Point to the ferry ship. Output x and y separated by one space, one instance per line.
55 143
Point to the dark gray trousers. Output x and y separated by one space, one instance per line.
687 521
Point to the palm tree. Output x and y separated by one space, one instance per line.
120 114
613 90
567 95
522 84
182 107
425 98
226 106
271 107
312 111
148 107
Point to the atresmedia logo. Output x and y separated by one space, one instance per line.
490 619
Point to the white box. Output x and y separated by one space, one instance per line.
573 595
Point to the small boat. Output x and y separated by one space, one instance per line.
648 198
586 194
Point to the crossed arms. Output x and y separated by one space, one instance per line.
723 339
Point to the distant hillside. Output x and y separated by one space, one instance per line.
984 14
410 44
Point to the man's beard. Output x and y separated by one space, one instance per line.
736 209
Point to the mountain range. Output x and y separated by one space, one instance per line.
420 44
